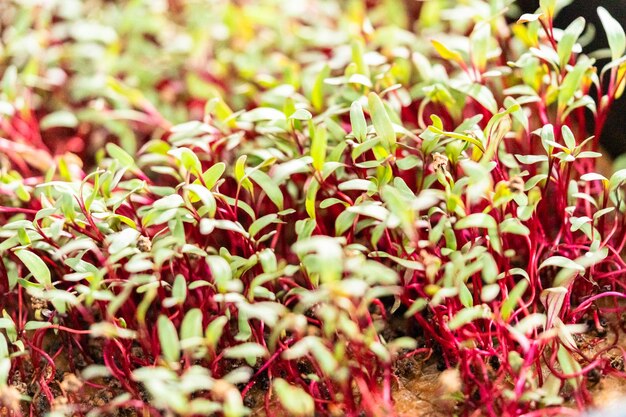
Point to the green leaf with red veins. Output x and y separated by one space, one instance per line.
553 299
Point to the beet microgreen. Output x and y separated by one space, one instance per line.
213 210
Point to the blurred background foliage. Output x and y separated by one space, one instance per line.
113 70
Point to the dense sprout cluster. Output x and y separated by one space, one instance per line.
232 207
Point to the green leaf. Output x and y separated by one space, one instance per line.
514 226
568 40
357 120
468 315
531 159
479 39
358 51
614 33
221 272
454 135
570 366
317 93
301 114
261 223
214 330
571 82
548 7
240 173
294 399
343 222
446 53
179 288
9 81
171 201
245 351
4 353
405 263
357 184
263 113
216 106
35 266
318 147
204 407
568 137
417 306
61 118
489 292
617 179
35 325
482 220
212 175
465 296
382 122
268 186
561 262
593 176
168 339
188 159
9 328
513 298
120 155
285 170
482 94
530 323
191 327
311 196
197 193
